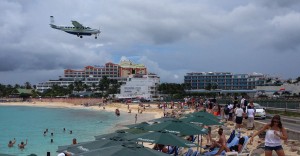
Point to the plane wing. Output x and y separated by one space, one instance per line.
77 25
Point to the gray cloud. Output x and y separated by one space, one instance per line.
170 37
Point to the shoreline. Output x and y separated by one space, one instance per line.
147 114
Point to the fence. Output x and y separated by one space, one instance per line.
279 104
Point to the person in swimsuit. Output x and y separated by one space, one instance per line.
221 142
22 145
11 143
275 133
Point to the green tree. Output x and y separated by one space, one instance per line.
214 86
70 88
78 86
104 84
27 85
208 86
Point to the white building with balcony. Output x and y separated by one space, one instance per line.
140 86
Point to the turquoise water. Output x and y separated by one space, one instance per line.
30 122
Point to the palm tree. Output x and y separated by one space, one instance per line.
104 84
94 87
208 86
27 85
78 86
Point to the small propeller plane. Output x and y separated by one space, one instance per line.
77 29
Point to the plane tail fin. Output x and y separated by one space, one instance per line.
52 23
51 20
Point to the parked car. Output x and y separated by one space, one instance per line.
144 100
260 111
136 101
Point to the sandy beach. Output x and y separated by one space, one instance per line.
291 148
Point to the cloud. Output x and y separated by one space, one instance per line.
170 37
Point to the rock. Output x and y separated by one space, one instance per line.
298 152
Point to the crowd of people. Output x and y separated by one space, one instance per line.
236 111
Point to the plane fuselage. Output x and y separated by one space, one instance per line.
77 29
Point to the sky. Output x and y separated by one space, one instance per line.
170 37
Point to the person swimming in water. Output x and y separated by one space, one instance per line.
117 112
22 145
11 143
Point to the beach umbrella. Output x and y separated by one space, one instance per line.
178 127
127 149
163 138
138 125
91 145
205 114
135 130
162 119
201 119
204 120
118 133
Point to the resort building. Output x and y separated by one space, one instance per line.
224 81
140 86
93 74
128 68
110 70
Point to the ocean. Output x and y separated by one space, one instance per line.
23 123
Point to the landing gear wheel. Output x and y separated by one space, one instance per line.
80 36
95 37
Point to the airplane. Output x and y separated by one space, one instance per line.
77 29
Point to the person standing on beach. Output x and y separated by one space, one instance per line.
251 115
208 136
135 118
275 133
11 143
215 110
239 117
231 111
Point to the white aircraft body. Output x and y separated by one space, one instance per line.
77 29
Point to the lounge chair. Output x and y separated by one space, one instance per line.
189 152
177 150
232 135
195 138
196 153
244 151
233 142
171 150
